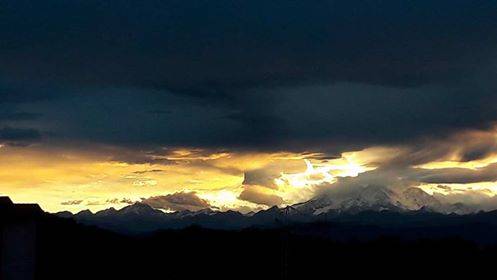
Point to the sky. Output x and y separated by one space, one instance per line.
243 105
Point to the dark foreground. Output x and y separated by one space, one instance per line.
41 246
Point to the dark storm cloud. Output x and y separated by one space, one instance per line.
19 116
33 90
331 118
304 75
203 47
19 136
348 114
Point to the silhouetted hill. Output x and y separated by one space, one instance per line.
361 245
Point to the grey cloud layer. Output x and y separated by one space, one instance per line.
252 195
330 118
279 75
458 175
201 46
18 136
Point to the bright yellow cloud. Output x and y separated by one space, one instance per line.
69 179
29 175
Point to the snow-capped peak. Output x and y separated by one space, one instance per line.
139 208
375 198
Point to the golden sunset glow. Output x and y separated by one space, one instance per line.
58 177
74 180
68 179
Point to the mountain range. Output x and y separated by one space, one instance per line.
376 198
142 218
39 245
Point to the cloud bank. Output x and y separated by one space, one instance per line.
179 201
